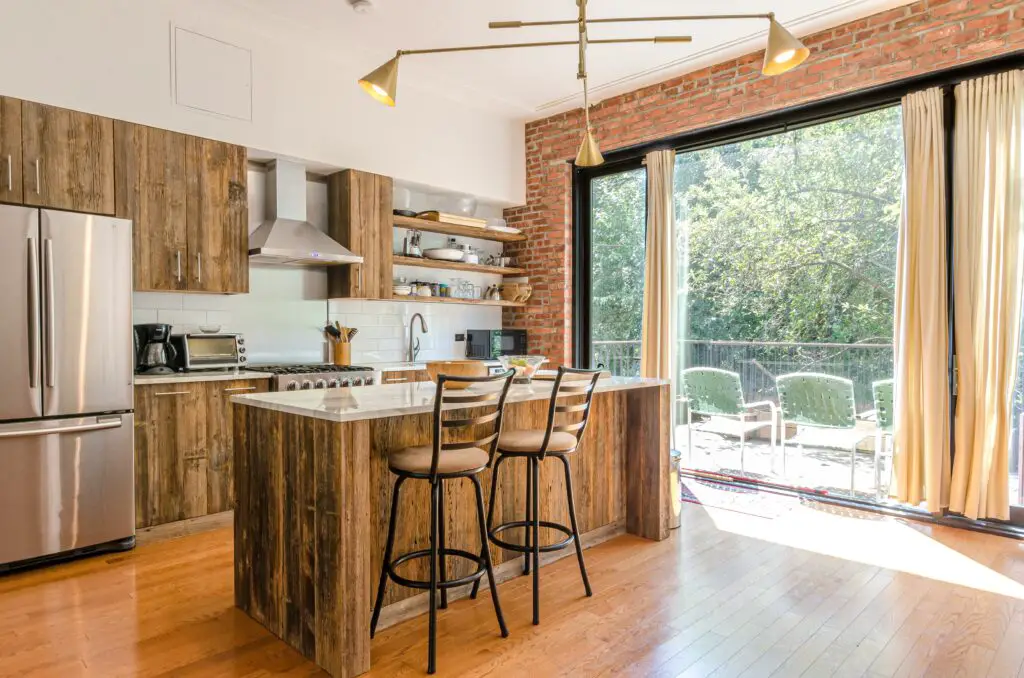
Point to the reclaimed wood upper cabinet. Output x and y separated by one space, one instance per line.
67 159
11 184
360 218
183 449
149 180
218 216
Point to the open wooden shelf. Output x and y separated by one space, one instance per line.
453 300
456 230
456 266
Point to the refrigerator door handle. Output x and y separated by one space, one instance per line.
10 174
33 314
101 424
51 340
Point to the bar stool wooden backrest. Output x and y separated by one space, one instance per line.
487 439
570 384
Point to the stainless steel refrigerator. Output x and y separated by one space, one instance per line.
66 363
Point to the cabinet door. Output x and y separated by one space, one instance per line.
10 151
170 453
68 159
149 176
360 218
218 217
220 477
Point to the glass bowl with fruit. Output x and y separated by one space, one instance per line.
524 365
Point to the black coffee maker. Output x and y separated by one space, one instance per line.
154 353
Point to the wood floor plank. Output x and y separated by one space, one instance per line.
728 595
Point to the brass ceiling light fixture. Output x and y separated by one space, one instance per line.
782 53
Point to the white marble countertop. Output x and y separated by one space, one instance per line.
185 377
393 400
419 365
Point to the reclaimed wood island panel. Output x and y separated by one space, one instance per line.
313 491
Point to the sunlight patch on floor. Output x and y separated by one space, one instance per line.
886 543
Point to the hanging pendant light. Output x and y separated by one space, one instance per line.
784 52
382 83
589 154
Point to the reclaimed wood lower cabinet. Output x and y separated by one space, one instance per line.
183 455
403 376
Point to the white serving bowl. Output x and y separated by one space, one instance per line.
444 254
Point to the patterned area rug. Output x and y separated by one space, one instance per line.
747 500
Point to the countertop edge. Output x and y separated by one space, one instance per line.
191 377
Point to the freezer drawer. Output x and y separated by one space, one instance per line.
65 484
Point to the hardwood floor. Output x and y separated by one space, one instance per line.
806 593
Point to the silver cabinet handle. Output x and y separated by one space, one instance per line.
171 393
240 388
75 428
33 313
360 279
39 182
177 259
396 381
199 264
51 330
10 174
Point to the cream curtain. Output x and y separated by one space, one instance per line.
658 340
988 182
921 316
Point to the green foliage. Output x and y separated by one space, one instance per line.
790 237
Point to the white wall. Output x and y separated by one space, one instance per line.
113 57
286 308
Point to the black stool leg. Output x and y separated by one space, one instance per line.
529 509
575 528
387 556
535 463
487 557
432 642
490 516
441 542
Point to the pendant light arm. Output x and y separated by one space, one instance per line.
658 40
636 19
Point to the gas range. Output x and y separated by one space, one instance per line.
306 377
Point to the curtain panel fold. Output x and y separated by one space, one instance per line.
920 341
987 272
658 349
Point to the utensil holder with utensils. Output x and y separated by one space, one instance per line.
340 339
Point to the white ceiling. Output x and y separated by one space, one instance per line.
532 83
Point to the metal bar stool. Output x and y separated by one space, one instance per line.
557 441
438 463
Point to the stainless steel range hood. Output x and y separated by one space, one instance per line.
286 238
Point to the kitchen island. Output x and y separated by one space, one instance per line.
313 492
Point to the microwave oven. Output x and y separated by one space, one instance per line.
208 351
489 344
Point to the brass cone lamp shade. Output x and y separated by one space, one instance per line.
589 154
382 84
784 51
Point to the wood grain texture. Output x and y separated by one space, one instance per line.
11 180
456 266
220 476
404 376
298 476
649 438
150 189
75 156
456 229
217 216
359 217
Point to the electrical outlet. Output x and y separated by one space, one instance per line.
460 337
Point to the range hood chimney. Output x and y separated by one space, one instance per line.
286 238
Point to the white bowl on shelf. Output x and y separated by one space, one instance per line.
401 290
444 254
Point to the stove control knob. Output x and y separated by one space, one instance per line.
369 381
292 386
346 382
320 383
333 383
357 381
306 384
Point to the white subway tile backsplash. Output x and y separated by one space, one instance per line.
158 301
144 315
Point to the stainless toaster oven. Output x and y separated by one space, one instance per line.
208 351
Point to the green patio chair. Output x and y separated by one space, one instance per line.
882 393
711 392
820 401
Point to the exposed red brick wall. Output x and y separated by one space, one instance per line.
925 36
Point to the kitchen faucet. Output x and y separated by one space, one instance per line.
414 349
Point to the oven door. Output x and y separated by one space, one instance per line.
512 342
211 351
479 344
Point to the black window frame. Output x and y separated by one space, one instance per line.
765 124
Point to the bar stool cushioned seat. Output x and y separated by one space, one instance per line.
533 441
418 459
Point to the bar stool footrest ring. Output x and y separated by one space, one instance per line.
521 548
446 584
